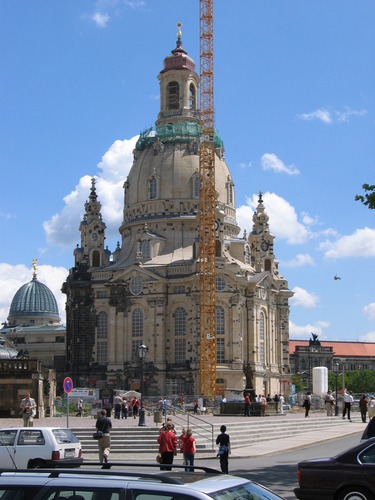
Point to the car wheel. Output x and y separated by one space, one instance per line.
35 464
355 493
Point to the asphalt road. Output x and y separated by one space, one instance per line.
279 471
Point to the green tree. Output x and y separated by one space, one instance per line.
369 198
360 382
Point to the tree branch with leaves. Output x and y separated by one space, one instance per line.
369 198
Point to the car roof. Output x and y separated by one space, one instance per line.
34 428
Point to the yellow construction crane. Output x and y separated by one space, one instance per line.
207 206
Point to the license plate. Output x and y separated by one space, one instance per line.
69 453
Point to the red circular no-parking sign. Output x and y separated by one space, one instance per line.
68 385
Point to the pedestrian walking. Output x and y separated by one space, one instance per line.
263 405
223 441
28 409
189 449
167 447
371 408
135 407
307 404
329 402
124 409
247 405
363 402
79 408
348 401
104 425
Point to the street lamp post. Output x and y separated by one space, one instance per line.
336 369
142 350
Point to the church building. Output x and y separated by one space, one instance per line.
147 290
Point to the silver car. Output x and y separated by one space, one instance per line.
120 484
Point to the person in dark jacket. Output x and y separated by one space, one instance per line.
104 425
223 441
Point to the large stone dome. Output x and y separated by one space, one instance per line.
33 304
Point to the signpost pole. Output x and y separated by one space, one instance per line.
67 410
68 387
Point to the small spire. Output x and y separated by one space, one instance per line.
179 34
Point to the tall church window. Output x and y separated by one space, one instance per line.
230 195
217 248
220 350
153 188
145 248
220 330
247 255
102 338
173 95
180 351
137 323
95 258
262 326
192 97
180 330
196 185
180 321
220 320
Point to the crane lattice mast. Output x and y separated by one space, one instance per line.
207 206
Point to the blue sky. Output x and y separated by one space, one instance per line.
294 102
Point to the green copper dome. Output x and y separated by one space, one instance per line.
33 303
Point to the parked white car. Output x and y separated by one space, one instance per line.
31 447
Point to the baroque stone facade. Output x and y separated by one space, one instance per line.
148 290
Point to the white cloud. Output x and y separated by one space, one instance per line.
369 310
100 19
359 244
284 223
270 161
369 337
320 114
300 260
343 116
62 228
330 117
303 298
12 277
304 332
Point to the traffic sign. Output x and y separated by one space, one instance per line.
68 385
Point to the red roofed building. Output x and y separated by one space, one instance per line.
308 354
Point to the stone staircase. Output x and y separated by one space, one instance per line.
131 441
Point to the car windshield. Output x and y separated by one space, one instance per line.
247 491
64 436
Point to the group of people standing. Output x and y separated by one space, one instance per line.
124 408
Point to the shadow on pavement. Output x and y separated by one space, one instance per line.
281 479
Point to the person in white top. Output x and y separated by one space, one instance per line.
371 408
28 409
348 401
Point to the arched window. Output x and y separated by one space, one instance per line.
262 326
102 338
145 248
180 321
137 323
192 97
153 188
173 95
267 265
